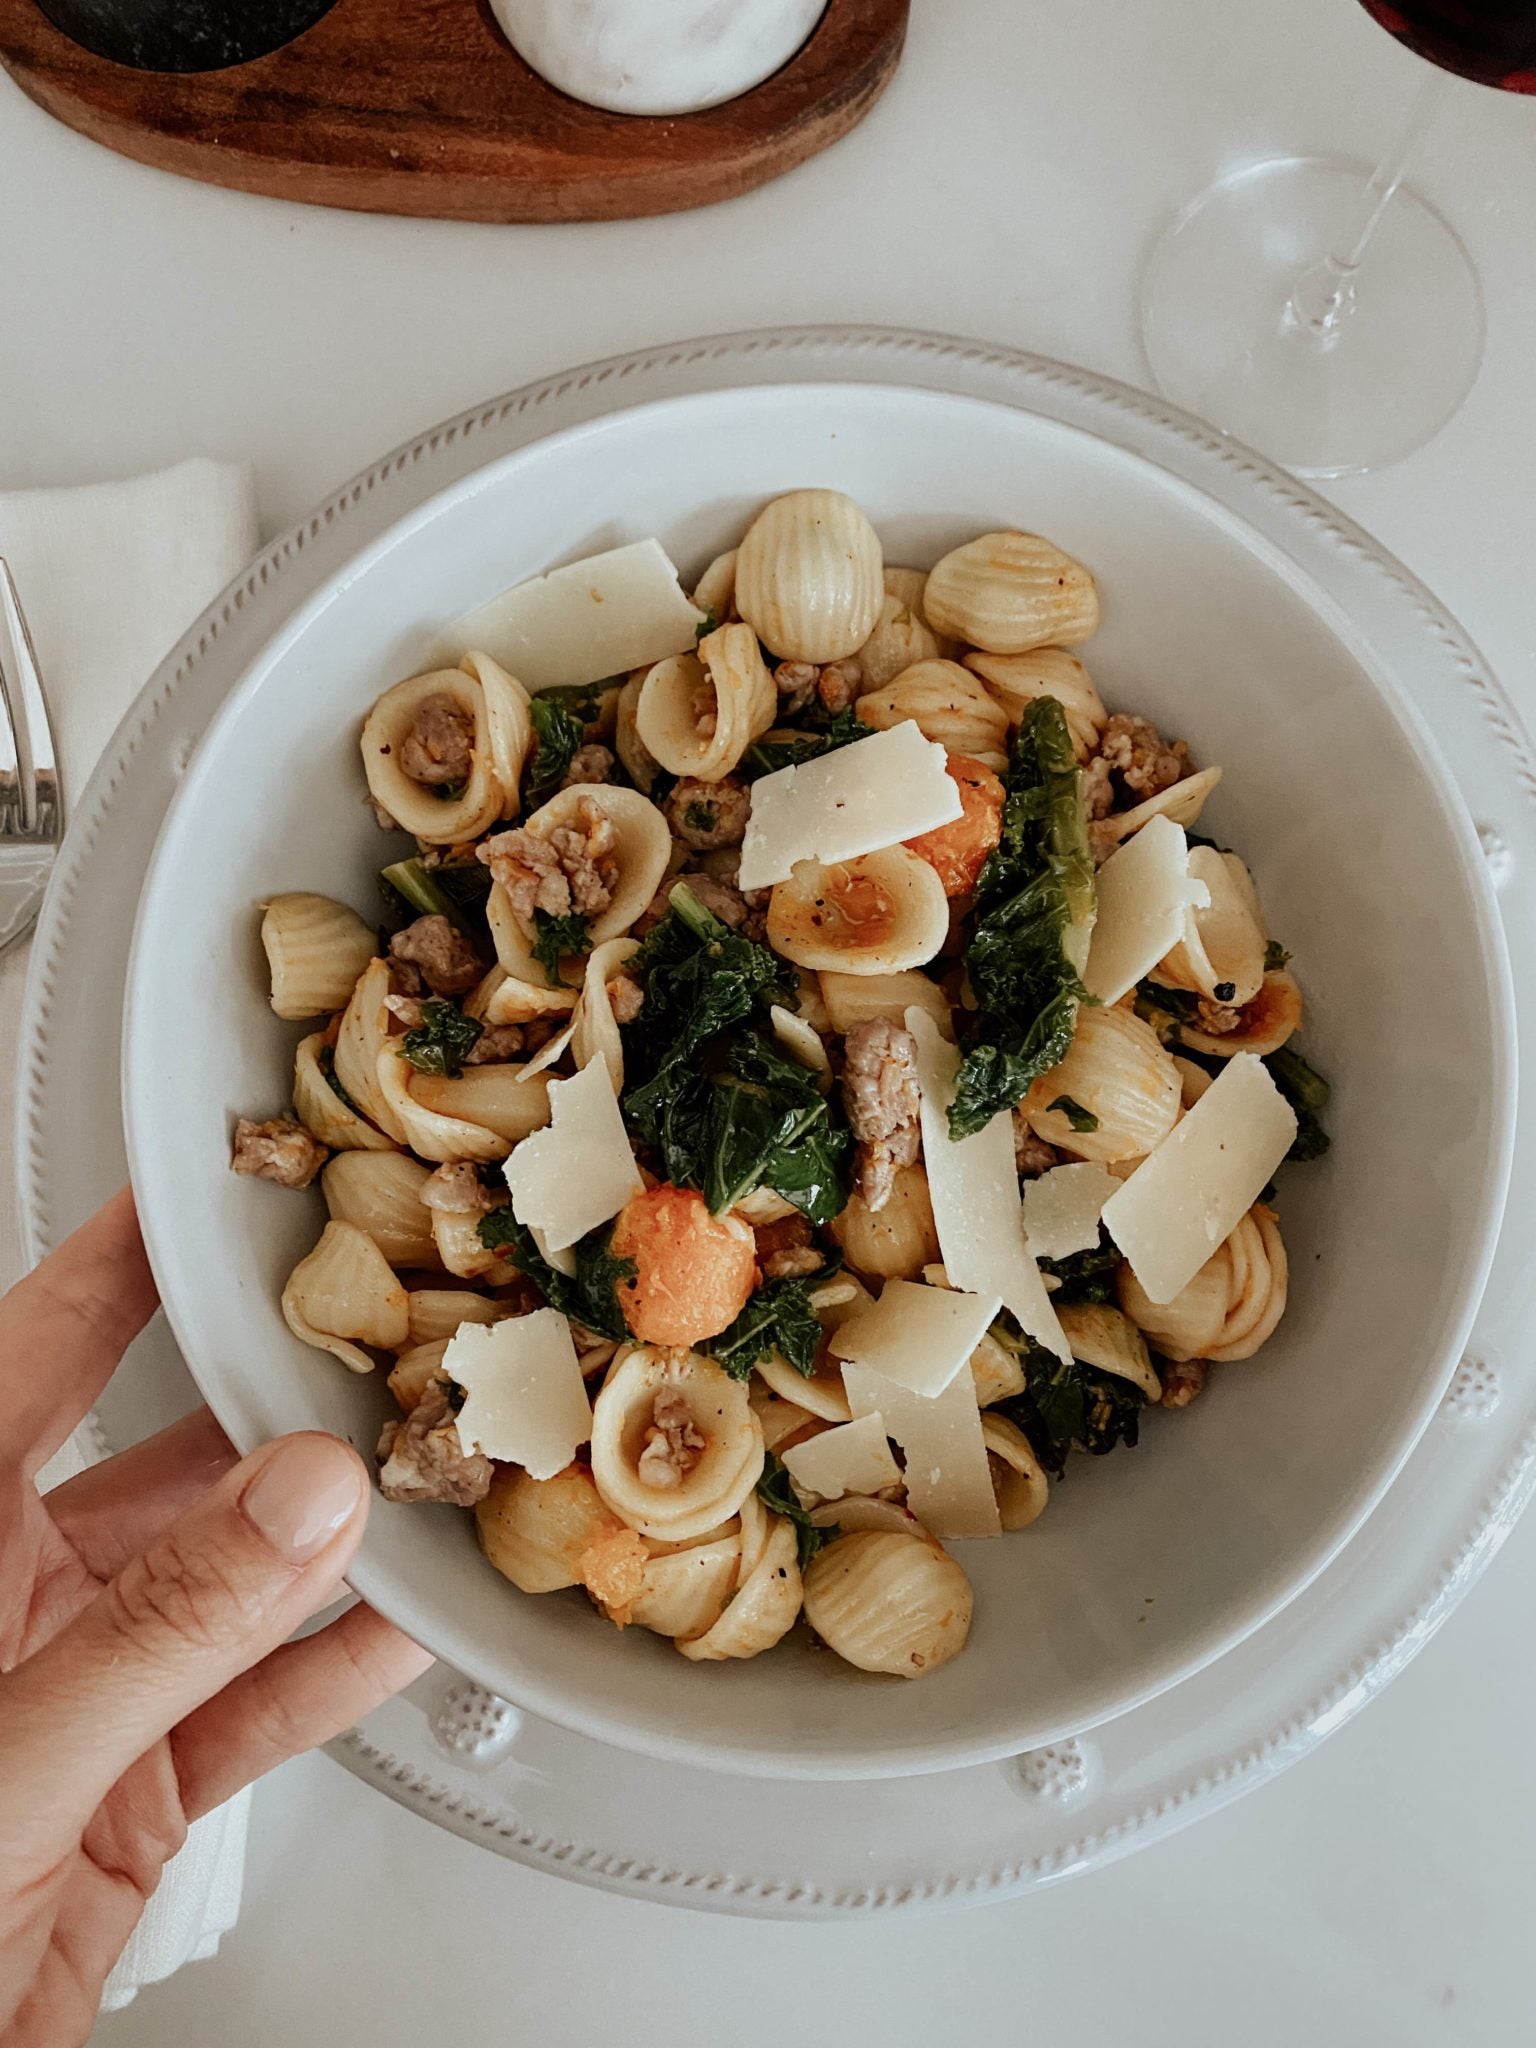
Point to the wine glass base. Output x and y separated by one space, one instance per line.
1220 341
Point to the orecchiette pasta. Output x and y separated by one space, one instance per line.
1016 680
947 704
381 1193
750 1049
1115 1070
321 1110
874 915
1008 592
344 1295
889 1603
808 576
676 1448
316 948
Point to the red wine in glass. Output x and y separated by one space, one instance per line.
1493 41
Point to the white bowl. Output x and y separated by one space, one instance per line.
1149 1563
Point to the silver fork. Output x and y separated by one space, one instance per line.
31 797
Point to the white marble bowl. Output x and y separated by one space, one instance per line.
1149 1563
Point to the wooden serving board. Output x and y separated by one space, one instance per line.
422 107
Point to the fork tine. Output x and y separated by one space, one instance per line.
27 748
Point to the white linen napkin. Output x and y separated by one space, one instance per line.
110 576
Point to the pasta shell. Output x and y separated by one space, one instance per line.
344 1295
1016 680
380 1192
715 594
1009 592
859 998
412 1369
1269 1020
641 849
808 576
874 915
597 1033
321 1110
503 1100
436 1313
820 1397
684 1593
516 991
897 1241
441 821
1193 1081
1192 1322
534 1531
890 1603
429 1132
1253 1313
997 1373
1117 1071
316 948
1018 1478
948 704
461 1250
856 1511
727 1468
1107 1338
901 636
698 713
361 1039
780 1421
764 1607
1182 802
641 763
508 727
1223 943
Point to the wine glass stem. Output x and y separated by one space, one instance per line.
1324 295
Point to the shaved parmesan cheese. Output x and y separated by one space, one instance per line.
949 1483
801 1040
852 1458
1145 893
1191 1193
974 1187
1062 1209
579 1170
919 1337
525 1402
876 793
612 612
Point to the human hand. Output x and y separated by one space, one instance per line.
144 1611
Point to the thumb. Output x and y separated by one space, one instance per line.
223 1585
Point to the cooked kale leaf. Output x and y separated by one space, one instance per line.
1029 938
443 1040
1308 1094
779 1497
779 1317
1085 1276
557 734
1067 1405
1079 1118
1275 957
554 937
766 756
589 1295
769 1125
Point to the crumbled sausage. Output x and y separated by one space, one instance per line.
626 998
1098 789
591 763
280 1150
838 685
673 1443
705 815
786 1249
705 706
793 1265
446 961
719 898
439 748
833 686
1031 1155
422 1458
497 1042
571 868
1217 1018
456 1190
1145 762
880 1094
1182 1380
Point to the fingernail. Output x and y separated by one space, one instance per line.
308 1489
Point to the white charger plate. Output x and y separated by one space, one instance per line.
559 1801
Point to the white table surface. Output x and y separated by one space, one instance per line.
1006 187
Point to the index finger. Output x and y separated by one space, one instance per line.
64 1328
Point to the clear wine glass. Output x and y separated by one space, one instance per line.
1314 308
